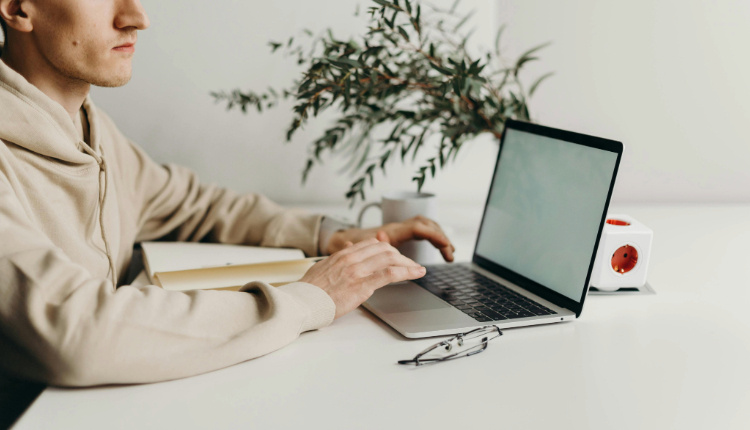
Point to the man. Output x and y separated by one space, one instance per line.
75 195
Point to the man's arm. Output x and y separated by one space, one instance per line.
170 202
61 326
183 209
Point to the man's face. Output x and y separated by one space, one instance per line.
88 40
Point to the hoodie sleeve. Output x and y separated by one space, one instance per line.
176 205
61 326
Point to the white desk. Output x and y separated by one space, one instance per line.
678 359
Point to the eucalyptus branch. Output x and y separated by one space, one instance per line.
408 74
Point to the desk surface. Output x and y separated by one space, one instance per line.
677 359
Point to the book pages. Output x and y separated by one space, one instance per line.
233 277
176 256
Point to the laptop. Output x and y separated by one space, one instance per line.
536 244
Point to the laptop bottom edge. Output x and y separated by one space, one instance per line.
421 324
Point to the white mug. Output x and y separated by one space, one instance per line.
400 206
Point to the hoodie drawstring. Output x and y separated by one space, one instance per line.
103 188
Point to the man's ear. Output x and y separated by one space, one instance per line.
14 14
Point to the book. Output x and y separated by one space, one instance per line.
185 266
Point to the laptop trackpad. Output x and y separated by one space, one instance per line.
405 297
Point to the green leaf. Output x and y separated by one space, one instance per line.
347 92
405 149
384 159
454 6
521 62
274 46
363 158
369 173
403 33
463 21
344 62
532 50
415 24
441 69
392 22
330 36
473 67
539 81
387 4
420 181
536 83
497 39
506 75
456 87
420 141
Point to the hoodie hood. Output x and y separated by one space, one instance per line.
32 120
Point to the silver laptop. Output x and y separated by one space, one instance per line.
536 244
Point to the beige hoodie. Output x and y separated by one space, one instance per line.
69 216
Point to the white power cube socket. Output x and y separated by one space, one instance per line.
623 254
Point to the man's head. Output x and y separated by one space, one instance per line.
89 41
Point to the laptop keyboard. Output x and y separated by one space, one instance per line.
478 296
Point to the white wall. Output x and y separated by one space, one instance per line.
667 78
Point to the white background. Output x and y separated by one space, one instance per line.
667 78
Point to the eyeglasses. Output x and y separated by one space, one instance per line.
470 343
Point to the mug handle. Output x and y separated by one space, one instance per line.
364 209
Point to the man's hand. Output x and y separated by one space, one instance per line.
419 228
351 275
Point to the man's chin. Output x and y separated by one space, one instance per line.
111 81
111 77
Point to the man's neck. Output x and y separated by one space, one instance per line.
69 93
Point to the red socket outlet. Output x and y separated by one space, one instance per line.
624 259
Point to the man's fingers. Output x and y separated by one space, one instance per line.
393 274
421 228
350 248
374 247
432 233
436 236
383 260
382 236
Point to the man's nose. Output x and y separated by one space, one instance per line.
131 14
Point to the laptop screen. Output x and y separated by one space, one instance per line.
545 209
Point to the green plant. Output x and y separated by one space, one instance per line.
410 74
